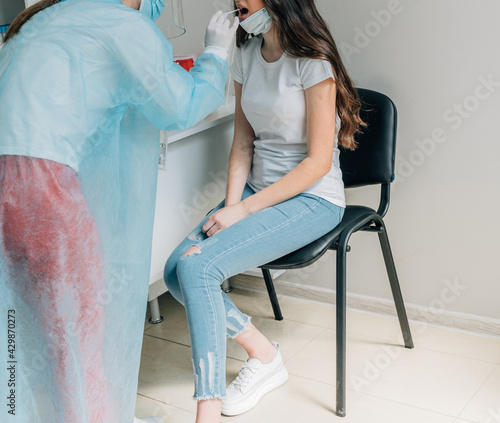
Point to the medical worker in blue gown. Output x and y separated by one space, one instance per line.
85 87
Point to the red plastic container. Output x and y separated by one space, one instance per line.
187 62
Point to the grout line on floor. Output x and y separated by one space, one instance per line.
287 319
475 393
168 340
385 339
456 355
261 290
166 403
451 329
400 342
305 345
354 392
189 346
395 319
378 340
368 312
408 405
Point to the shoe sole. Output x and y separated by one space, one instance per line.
273 382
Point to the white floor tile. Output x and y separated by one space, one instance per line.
303 400
146 407
458 343
426 379
252 303
375 325
166 373
485 406
291 336
450 377
425 336
303 311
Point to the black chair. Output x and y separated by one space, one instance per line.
372 163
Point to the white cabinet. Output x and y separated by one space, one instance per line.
190 186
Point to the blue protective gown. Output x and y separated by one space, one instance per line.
88 84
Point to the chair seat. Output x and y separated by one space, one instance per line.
313 251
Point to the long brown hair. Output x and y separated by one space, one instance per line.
25 16
302 32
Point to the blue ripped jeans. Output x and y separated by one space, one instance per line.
194 280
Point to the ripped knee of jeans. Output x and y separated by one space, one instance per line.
191 251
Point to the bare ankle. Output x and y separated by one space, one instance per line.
267 356
208 411
256 344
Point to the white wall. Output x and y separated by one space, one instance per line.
443 221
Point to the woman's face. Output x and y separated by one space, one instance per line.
248 7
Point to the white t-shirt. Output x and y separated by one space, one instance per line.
274 104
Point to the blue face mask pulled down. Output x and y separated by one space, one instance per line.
259 23
152 8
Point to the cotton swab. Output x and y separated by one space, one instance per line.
228 13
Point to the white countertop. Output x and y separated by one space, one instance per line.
223 114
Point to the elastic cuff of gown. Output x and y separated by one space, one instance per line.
245 326
208 397
217 51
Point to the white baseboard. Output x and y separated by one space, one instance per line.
450 319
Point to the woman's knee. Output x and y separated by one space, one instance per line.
194 270
171 279
189 265
174 277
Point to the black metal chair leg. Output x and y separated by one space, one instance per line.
272 294
341 327
395 287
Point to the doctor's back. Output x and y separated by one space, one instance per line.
72 71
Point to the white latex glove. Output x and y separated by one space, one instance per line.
220 33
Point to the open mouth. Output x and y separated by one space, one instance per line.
243 14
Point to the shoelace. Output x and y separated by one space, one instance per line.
244 377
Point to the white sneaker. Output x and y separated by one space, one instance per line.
253 382
149 420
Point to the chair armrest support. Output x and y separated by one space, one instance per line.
385 199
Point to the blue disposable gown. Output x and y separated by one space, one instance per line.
88 84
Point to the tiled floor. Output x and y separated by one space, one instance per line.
449 377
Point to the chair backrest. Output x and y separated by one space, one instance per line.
373 160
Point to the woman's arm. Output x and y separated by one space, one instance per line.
320 103
240 159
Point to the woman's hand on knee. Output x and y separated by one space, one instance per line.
224 218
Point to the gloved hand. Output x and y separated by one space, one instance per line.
219 35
